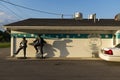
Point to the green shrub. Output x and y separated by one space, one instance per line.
4 44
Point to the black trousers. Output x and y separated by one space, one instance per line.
20 48
41 49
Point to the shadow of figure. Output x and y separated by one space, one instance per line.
62 46
48 50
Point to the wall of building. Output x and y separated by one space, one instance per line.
118 37
64 45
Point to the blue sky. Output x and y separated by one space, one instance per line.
102 8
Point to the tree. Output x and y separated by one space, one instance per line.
1 36
4 36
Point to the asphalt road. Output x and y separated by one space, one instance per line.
23 69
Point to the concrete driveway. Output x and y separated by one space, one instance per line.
23 69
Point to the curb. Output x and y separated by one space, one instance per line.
54 58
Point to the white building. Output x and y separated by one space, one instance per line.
66 37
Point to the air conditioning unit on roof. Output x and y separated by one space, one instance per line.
78 16
117 17
92 16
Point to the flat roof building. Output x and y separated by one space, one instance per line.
66 37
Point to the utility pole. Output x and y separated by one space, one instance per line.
62 16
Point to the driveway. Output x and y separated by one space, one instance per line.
23 69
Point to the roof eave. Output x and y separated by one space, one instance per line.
63 27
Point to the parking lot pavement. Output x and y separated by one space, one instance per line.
4 52
23 69
59 70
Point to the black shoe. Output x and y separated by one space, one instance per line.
24 57
42 57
